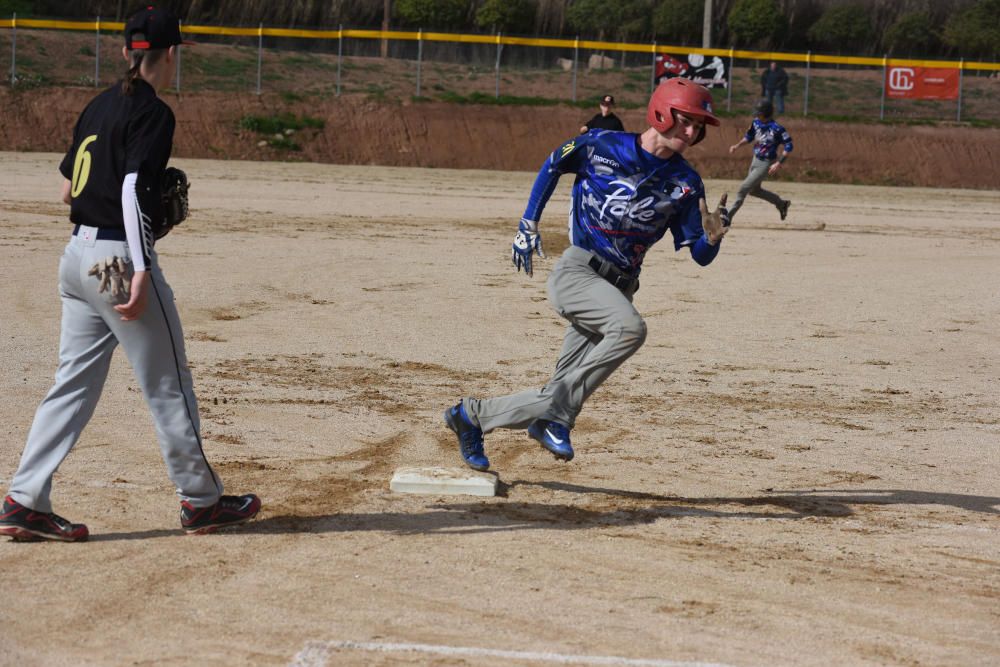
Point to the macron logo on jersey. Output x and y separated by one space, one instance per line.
606 160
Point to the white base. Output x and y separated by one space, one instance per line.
443 481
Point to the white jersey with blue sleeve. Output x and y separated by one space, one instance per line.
624 198
766 135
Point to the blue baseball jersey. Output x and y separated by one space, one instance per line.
765 135
624 198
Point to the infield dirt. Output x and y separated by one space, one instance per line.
799 467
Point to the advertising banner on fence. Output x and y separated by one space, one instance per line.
921 83
710 71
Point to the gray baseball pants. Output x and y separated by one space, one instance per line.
751 186
154 345
604 330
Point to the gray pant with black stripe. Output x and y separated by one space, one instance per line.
154 345
751 185
604 330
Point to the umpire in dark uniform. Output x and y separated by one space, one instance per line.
606 120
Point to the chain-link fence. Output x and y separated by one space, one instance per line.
474 68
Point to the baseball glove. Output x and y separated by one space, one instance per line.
175 199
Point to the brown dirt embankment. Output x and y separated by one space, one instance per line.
359 130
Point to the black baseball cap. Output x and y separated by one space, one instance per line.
608 99
764 108
153 28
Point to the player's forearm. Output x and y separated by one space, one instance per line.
541 191
703 252
67 187
137 230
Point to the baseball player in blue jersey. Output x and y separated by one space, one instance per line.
113 292
629 191
765 134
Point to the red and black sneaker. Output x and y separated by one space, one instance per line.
26 525
229 511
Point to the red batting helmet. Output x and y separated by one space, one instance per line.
678 94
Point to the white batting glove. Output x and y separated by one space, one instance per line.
526 242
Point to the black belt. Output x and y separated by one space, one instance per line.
106 233
614 275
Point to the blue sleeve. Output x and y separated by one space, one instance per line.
686 226
565 159
749 134
702 252
787 140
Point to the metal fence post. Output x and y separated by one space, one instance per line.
805 101
178 77
340 55
260 53
499 49
13 50
97 53
652 73
576 58
961 68
729 86
420 56
885 72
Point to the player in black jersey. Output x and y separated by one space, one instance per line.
113 292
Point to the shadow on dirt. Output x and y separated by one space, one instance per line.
618 507
830 502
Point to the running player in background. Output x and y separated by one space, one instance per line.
113 292
629 191
765 134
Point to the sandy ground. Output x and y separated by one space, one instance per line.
799 468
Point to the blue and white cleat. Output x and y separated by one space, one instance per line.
470 437
554 437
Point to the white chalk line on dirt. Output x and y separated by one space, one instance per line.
317 654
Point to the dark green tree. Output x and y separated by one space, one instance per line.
911 34
432 14
588 17
678 21
843 28
757 23
633 20
618 19
507 16
975 31
23 8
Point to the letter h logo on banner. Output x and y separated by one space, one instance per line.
901 79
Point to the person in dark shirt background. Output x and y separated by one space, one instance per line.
606 120
774 86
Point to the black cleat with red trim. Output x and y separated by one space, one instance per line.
229 511
26 525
